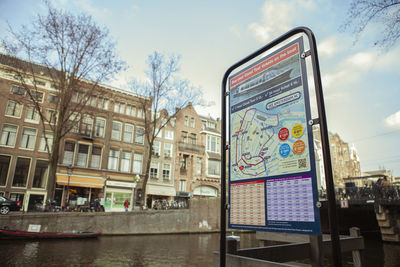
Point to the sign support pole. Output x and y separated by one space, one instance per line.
336 250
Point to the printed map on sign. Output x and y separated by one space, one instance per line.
268 134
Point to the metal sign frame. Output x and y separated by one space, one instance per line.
324 138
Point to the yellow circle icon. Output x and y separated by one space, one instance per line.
297 130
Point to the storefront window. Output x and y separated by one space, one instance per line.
39 180
115 201
4 165
21 172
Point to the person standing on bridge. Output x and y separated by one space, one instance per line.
126 204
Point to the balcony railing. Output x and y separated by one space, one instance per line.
191 147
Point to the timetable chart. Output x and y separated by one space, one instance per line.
290 199
247 204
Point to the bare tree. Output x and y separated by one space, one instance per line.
74 55
168 95
385 13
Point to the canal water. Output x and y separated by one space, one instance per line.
157 250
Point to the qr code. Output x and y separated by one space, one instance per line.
302 163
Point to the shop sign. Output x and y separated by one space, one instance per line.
121 184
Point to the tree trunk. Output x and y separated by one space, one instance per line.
51 180
145 180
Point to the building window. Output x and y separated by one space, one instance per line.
213 167
51 116
37 96
167 150
16 90
28 138
31 114
128 133
139 138
13 109
193 139
42 144
154 170
137 163
69 149
100 127
8 135
192 122
52 98
87 126
156 148
169 135
199 165
21 172
83 152
213 144
184 137
184 162
4 166
113 159
140 113
74 119
126 161
93 101
166 171
39 179
96 157
119 107
116 131
182 185
186 121
130 110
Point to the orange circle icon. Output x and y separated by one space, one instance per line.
299 147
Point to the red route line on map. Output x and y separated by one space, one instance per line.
241 130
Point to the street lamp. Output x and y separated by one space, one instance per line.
69 172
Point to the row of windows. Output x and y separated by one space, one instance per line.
213 166
21 172
77 97
156 150
90 156
166 170
28 139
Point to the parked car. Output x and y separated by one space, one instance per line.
7 205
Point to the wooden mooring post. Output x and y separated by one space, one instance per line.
299 247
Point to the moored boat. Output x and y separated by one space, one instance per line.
17 234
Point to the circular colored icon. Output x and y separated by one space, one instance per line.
241 167
283 134
297 130
299 147
284 150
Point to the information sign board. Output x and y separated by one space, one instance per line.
272 181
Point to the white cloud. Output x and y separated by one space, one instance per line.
393 120
278 17
328 47
362 60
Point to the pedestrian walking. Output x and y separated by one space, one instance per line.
126 204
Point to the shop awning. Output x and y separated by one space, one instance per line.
161 190
80 180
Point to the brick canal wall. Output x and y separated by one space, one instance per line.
202 216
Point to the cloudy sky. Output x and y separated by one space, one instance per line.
361 82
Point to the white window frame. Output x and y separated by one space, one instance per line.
212 174
91 156
126 162
166 169
109 167
42 144
156 149
132 132
137 163
34 94
18 88
113 132
36 117
171 146
136 135
31 142
182 185
154 165
98 119
16 110
7 144
192 122
217 143
73 153
168 134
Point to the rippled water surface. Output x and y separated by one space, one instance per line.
160 250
